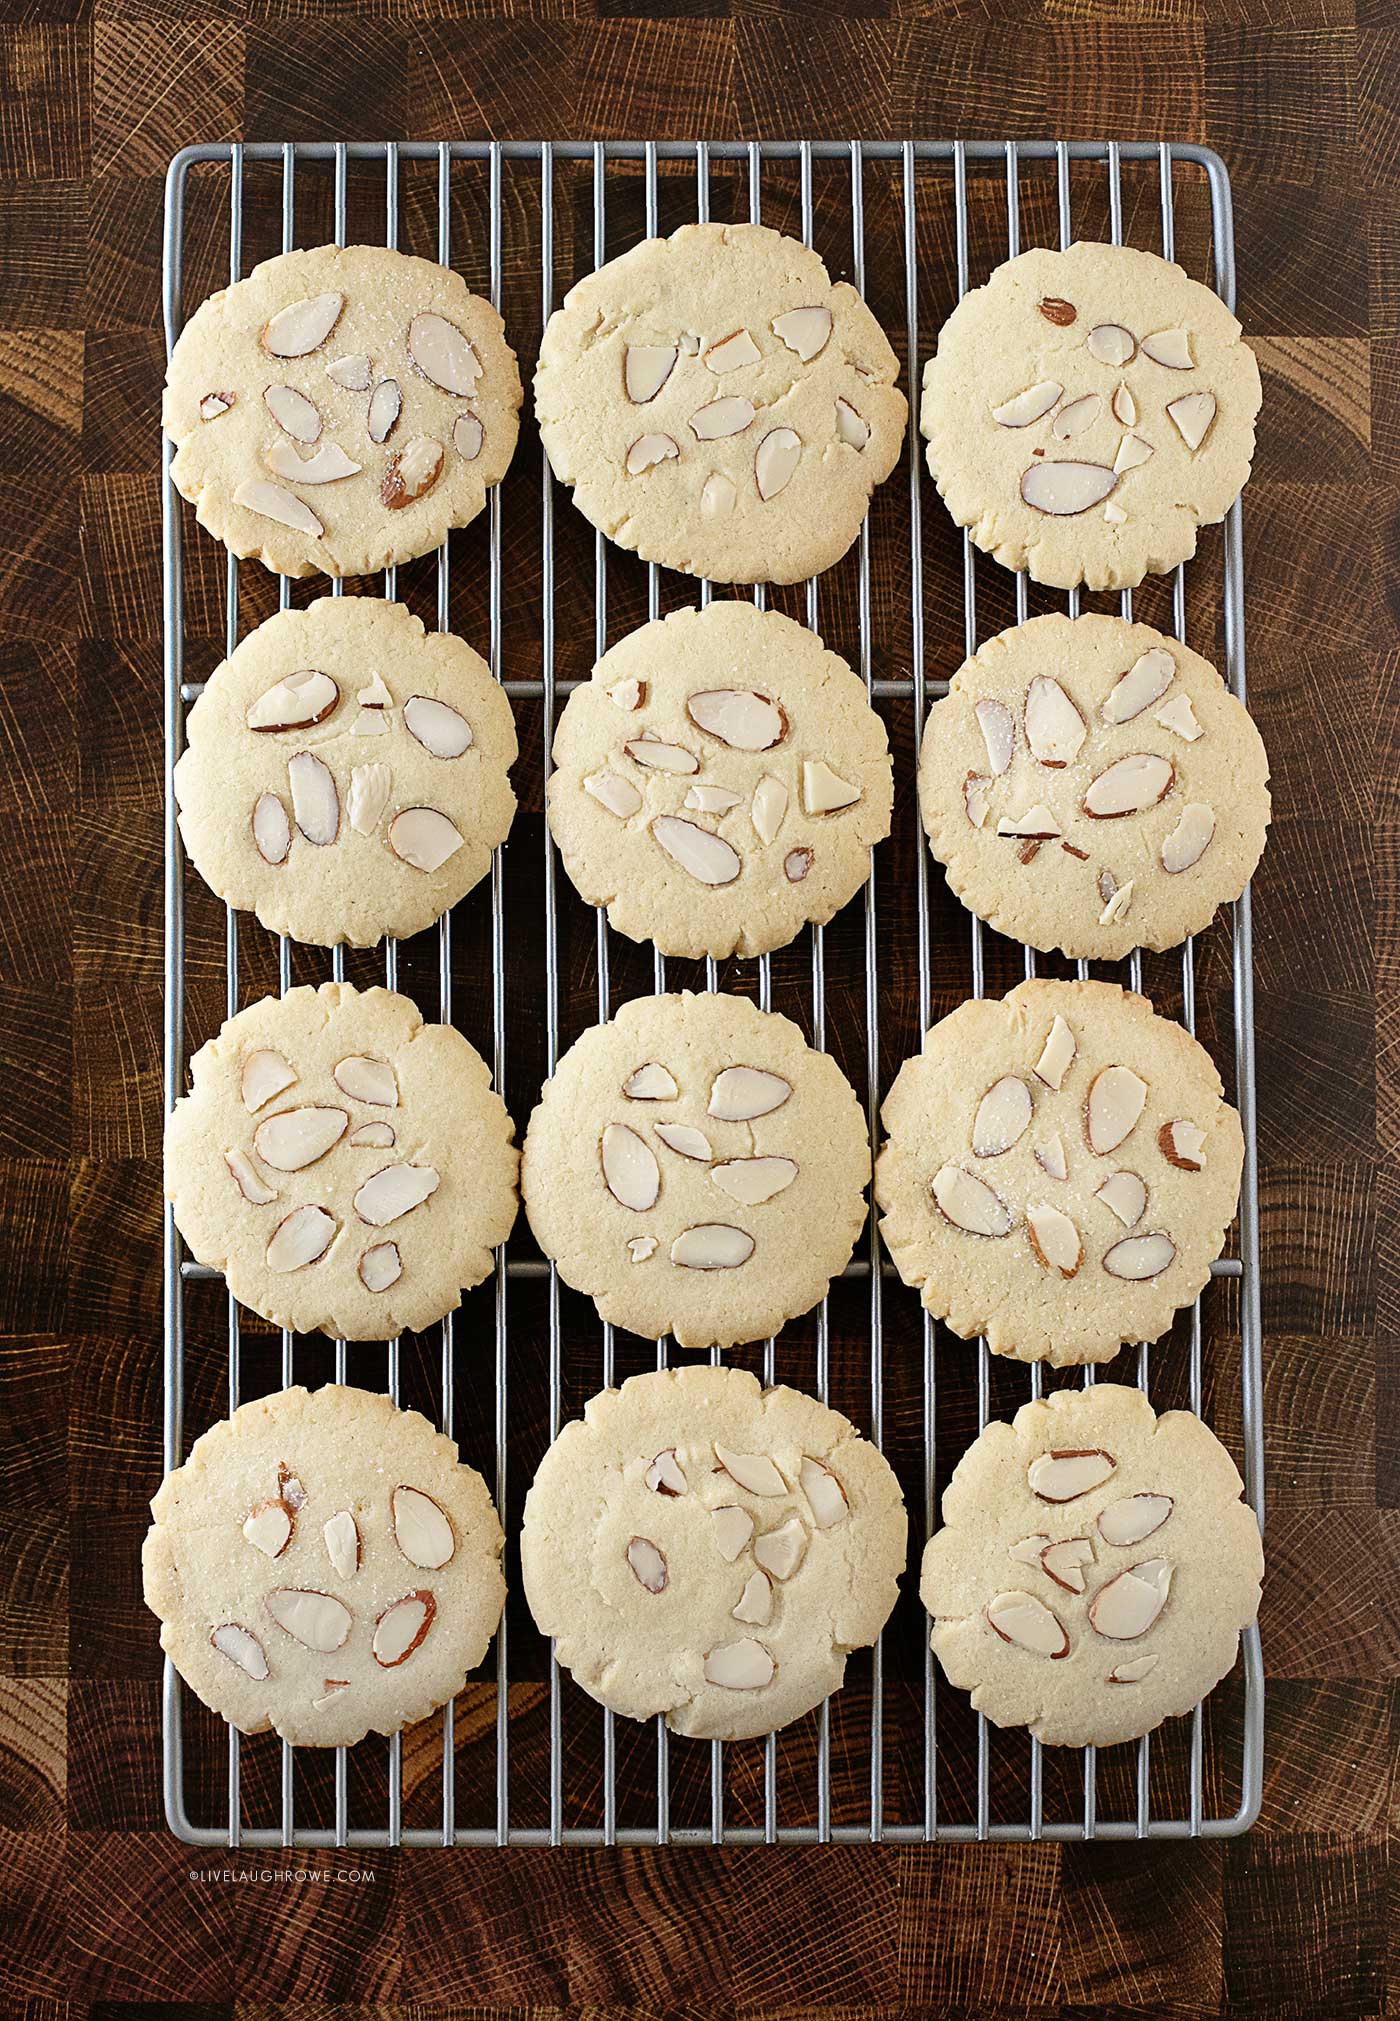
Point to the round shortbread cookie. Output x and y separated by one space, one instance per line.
1094 1569
719 405
1060 1170
1093 786
347 1167
323 1565
719 782
711 1551
697 1169
346 774
1086 411
341 409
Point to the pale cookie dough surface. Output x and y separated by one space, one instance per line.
346 774
720 405
364 442
324 1566
1094 1569
1096 472
348 1167
718 1198
1092 786
1002 1134
711 1551
719 782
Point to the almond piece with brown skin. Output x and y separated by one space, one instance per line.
805 331
1124 1194
393 1191
381 1267
1192 415
825 791
649 450
1027 1623
440 729
1064 1473
215 404
467 436
273 501
268 1527
796 864
1064 1562
1171 348
412 473
1003 1117
303 1238
1140 1257
732 352
1129 786
651 1082
302 327
1056 1054
998 729
666 1475
340 1534
1054 727
443 355
732 1529
272 831
422 1529
1062 489
738 717
242 1648
707 857
293 412
365 1077
648 1564
658 756
712 1245
826 1497
685 1141
423 838
1117 1098
1190 839
1133 452
645 370
718 496
1134 1670
775 461
296 702
1029 406
969 1203
754 1471
317 1620
741 1094
372 1137
385 406
630 1171
1130 1604
1134 1518
741 1666
1050 1156
975 799
1183 1144
315 801
401 1628
1036 824
1058 311
1146 680
249 1180
296 1138
1077 415
265 1074
1111 344
1053 1237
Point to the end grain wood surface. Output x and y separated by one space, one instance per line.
100 1907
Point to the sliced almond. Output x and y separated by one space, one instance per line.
969 1203
1139 1257
796 864
381 1267
372 1137
732 352
851 428
295 702
1027 1623
651 1083
296 1138
1111 344
975 799
272 501
1123 405
612 791
1114 514
630 1171
712 1245
442 354
1050 1156
685 1141
268 1527
289 1487
641 1248
1129 786
272 831
755 1604
666 1475
422 1528
1028 1550
302 326
292 411
1056 1054
998 729
825 1495
315 802
648 1564
1064 1562
412 473
1077 415
352 371
628 695
365 1077
740 1094
439 729
648 450
1193 414
712 799
393 1191
804 331
1190 839
467 436
770 798
1183 1144
740 1666
1064 1475
317 1620
825 791
242 1648
1070 849
1037 822
729 415
658 756
265 1074
368 797
341 1535
1053 1237
780 1551
385 407
732 1529
423 837
707 857
1054 727
215 404
1171 348
645 370
1149 677
300 1239
1124 1194
401 1628
1117 1098
249 1180
1134 1670
326 465
738 717
1135 1517
1063 489
1003 1117
718 495
1117 904
1179 717
752 1181
1128 1605
1133 452
754 1471
775 460
1027 407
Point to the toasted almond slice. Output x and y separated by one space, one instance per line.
1128 1605
1139 1257
712 1245
374 694
1171 348
729 415
315 801
272 831
442 354
242 1648
372 1137
645 370
1129 786
754 1180
352 371
401 1628
1111 344
1003 1117
770 798
648 450
998 729
804 331
1064 1562
1179 717
1053 1237
648 1564
1050 1156
368 796
1134 1670
739 717
755 1604
215 404
1190 839
1183 1144
969 1203
707 857
468 436
385 406
423 838
1193 414
1117 1098
268 1527
651 1083
365 1077
1148 678
975 799
1065 1474
1054 727
612 791
317 1620
249 1179
292 411
272 501
825 791
1123 405
295 1138
265 1074
1063 489
754 1471
780 1551
295 702
1133 452
666 1475
441 730
826 1497
300 1239
718 495
1037 822
661 757
1027 1623
796 864
381 1267
740 1094
412 473
1124 1194
733 1527
1135 1517
628 695
1059 1049
630 1171
1076 416
775 460
685 1141
1029 406
740 1666
422 1528
393 1191
732 352
851 428
302 326
325 465
341 1535
712 799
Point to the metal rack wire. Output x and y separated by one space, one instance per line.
527 173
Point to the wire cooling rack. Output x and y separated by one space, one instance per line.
523 1758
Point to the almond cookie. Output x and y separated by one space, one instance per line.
1060 1171
708 1550
697 1169
340 409
719 782
720 405
346 1166
1094 1569
346 773
1086 411
324 1565
1093 786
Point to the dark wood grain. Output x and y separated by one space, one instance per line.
103 1914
